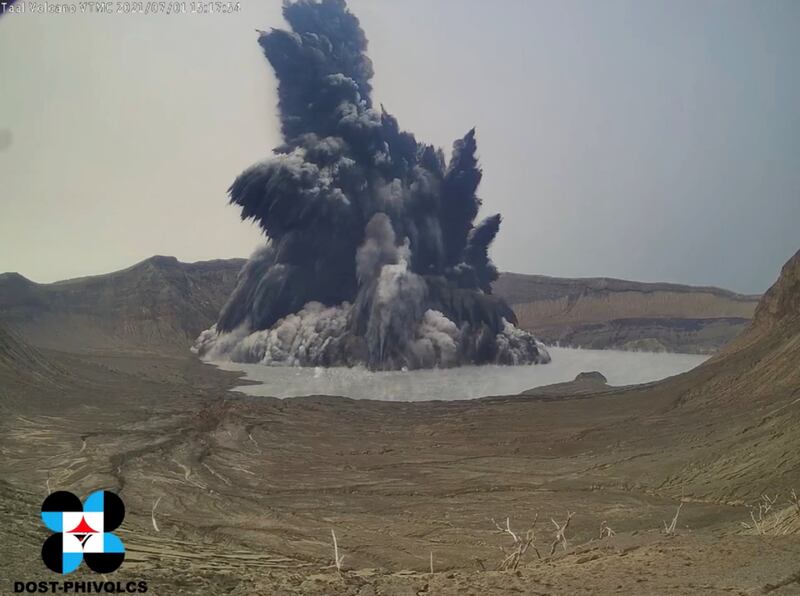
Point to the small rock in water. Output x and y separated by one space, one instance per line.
593 376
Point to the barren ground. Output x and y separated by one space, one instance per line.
250 488
227 494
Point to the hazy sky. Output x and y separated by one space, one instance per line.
637 139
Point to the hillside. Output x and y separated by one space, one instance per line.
161 304
779 310
731 430
21 361
158 304
234 495
764 359
613 313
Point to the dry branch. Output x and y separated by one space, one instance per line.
768 520
670 529
759 514
606 531
337 560
560 535
520 544
153 514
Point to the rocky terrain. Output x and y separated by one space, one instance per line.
227 494
19 360
613 313
159 304
162 305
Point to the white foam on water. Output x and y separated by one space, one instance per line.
465 382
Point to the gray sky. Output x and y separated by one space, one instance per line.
648 140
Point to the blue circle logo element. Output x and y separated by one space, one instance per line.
83 531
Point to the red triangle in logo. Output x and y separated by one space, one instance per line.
83 528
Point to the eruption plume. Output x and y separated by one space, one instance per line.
373 257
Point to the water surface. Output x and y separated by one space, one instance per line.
466 382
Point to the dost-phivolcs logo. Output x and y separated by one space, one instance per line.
83 531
